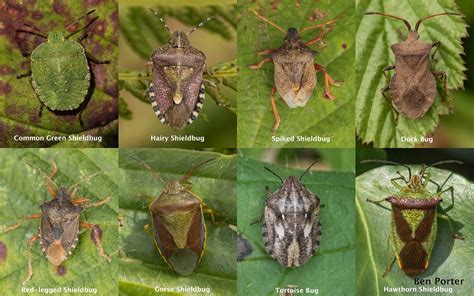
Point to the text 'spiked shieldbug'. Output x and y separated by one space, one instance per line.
176 90
413 87
414 223
291 227
295 70
59 227
60 71
178 223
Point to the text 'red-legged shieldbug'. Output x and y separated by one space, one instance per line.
413 87
178 225
177 90
291 227
58 232
60 72
295 70
414 224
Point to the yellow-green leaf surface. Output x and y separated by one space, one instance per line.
450 258
320 117
19 104
22 191
141 267
375 34
331 270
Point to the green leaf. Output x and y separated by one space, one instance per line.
331 269
319 116
19 104
22 174
375 35
449 257
214 182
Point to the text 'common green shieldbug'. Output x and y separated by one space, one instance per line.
291 227
58 232
60 72
178 223
414 224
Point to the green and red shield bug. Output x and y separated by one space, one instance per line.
178 223
60 71
58 232
414 210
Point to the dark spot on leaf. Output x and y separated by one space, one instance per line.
15 10
344 46
59 8
94 2
5 70
96 234
5 88
103 112
275 4
100 27
243 248
25 65
3 252
61 270
37 15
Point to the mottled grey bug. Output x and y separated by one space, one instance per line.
291 228
413 87
177 90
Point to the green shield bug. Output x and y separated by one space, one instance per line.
414 210
60 72
178 223
58 232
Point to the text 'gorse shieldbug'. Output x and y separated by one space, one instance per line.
295 70
413 87
177 90
414 224
60 72
178 223
291 227
58 232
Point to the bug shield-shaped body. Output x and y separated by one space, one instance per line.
414 226
295 76
413 87
291 229
176 91
59 227
179 228
60 72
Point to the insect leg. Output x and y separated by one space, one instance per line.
48 180
275 111
317 39
442 76
266 52
96 236
328 80
94 60
17 224
259 65
452 227
395 112
399 187
435 45
212 213
389 264
27 74
30 268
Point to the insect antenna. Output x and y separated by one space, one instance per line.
83 28
389 162
267 20
201 24
193 169
392 16
443 162
162 20
73 188
434 15
155 174
43 34
314 162
318 25
274 174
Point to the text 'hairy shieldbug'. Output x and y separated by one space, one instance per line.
413 87
58 232
291 227
295 70
60 72
178 223
177 90
414 224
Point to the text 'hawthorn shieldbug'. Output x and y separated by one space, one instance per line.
414 223
176 90
58 232
291 227
60 72
295 70
413 87
178 223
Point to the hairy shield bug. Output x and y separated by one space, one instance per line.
58 232
413 87
60 71
295 70
178 223
414 224
177 90
291 227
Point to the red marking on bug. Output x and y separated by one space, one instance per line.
3 252
5 88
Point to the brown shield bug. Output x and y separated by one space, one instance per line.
291 227
58 232
413 87
295 70
176 90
